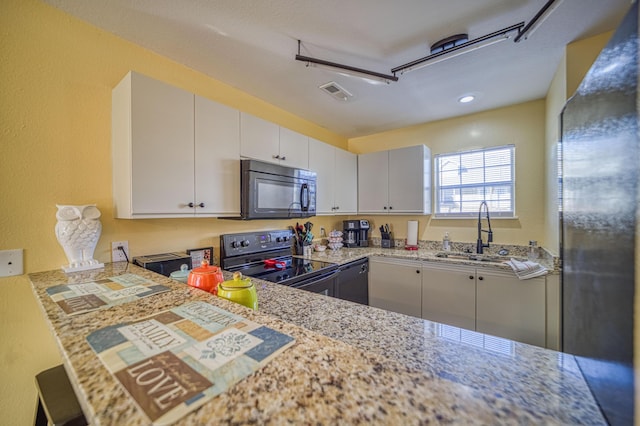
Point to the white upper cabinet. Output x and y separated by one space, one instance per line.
217 158
294 149
373 182
154 144
266 141
346 182
337 178
410 180
322 161
395 182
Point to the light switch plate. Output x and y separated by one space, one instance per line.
11 263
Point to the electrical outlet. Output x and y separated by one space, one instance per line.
116 254
11 263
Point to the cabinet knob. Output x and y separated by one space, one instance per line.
277 157
283 158
470 277
385 207
481 278
390 207
201 205
190 205
337 207
417 271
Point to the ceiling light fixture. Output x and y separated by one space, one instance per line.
459 49
449 42
369 76
466 99
537 20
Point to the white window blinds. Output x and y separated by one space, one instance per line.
465 179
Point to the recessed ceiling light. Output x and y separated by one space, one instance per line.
466 99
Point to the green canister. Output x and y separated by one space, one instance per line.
240 290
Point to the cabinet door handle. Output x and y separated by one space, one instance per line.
470 277
481 278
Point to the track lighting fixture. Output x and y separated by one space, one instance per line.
537 20
369 76
458 49
446 48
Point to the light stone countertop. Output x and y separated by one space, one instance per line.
346 255
350 364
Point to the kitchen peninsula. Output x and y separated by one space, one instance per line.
350 364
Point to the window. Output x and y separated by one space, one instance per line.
465 179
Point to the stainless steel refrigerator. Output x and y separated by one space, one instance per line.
600 156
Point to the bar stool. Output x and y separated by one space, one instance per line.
57 403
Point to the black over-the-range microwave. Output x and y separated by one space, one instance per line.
272 191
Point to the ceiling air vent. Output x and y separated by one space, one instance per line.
336 91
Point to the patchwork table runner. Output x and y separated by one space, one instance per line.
175 361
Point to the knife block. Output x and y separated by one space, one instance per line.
387 240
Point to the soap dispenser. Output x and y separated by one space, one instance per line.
446 243
532 255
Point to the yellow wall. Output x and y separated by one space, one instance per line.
521 125
56 78
555 101
580 56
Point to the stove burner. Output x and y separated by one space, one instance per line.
273 263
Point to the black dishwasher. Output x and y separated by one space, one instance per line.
353 282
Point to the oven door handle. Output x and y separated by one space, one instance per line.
304 197
316 278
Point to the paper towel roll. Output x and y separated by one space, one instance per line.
412 233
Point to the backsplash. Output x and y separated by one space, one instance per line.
515 251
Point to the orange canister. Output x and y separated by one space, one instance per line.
206 277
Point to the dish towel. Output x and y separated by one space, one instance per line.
527 269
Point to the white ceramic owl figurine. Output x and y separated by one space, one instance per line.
78 230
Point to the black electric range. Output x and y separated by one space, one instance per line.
267 255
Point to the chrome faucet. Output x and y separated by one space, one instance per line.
480 245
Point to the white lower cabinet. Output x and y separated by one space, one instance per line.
511 308
449 295
395 285
483 299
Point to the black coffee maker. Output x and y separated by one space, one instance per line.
355 233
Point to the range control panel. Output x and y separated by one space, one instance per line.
254 242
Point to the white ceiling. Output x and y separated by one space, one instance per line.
251 45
